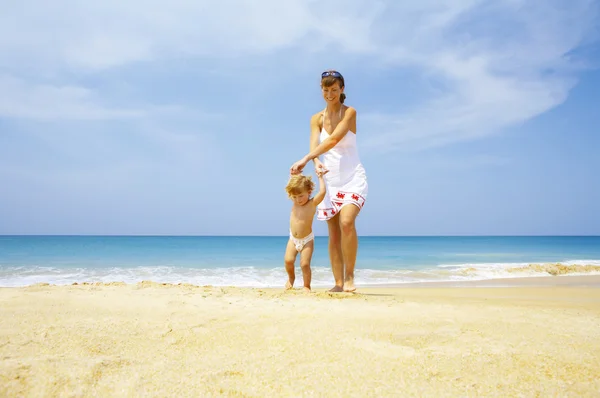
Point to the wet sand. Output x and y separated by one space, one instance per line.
534 338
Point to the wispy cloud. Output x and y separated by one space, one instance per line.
490 64
461 163
113 33
28 100
495 64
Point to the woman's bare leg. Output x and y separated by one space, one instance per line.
349 243
335 252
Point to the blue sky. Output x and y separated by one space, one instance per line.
475 117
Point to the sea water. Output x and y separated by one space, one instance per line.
258 261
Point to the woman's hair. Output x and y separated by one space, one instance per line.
298 184
330 80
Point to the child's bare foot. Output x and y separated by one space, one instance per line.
306 289
336 289
289 284
349 285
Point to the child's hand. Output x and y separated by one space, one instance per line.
321 172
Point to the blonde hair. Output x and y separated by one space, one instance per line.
298 184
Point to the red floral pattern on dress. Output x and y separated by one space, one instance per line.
342 199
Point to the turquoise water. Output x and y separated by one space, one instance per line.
258 261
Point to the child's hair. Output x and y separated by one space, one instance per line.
298 184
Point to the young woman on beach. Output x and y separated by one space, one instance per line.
333 135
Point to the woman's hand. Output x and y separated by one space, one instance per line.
298 166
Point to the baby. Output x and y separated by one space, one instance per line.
299 189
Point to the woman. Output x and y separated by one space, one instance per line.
333 135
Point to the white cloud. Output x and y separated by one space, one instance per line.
97 35
492 58
500 65
464 162
26 100
70 39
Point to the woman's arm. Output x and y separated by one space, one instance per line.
336 136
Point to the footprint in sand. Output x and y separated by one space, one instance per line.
384 349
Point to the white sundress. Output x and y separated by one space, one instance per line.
346 181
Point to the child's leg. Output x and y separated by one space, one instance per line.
289 259
305 258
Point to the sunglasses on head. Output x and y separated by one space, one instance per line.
331 73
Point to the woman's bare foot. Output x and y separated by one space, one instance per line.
336 289
349 285
306 289
289 284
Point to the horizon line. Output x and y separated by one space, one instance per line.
286 235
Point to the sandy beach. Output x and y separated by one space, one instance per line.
539 337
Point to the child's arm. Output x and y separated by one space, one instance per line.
322 190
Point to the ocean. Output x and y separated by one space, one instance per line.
248 261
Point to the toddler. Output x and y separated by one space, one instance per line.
299 189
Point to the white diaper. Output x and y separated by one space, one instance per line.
299 243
